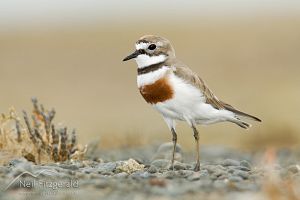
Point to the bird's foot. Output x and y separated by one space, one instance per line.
197 167
172 166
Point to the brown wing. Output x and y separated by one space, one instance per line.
188 75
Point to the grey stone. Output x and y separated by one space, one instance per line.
179 165
121 175
136 175
189 166
194 176
106 168
139 175
213 168
294 169
20 167
218 172
89 163
231 169
161 163
230 162
209 168
152 169
185 173
16 162
246 164
241 173
170 174
223 177
204 174
89 170
70 166
146 175
243 168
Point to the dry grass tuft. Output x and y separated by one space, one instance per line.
37 139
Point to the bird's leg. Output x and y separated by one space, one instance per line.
196 136
174 139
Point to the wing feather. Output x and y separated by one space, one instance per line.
192 78
188 75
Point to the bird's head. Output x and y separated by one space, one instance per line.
150 50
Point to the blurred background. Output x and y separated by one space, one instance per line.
69 55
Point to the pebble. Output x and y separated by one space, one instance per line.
71 167
230 176
140 175
194 176
230 162
106 168
233 168
294 169
241 173
161 163
89 163
179 165
218 172
19 161
209 168
89 170
246 164
223 177
243 168
129 166
185 173
170 174
152 169
204 174
19 167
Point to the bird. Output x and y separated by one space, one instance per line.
178 93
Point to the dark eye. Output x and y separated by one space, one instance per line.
152 47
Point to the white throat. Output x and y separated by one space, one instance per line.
144 60
151 77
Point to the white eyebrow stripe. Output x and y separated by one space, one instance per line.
159 44
141 45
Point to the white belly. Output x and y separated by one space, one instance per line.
188 104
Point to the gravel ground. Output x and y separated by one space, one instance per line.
144 173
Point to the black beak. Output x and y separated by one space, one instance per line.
133 55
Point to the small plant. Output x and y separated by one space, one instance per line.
38 139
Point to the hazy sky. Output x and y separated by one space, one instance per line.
25 12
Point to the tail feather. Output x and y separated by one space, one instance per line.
242 124
240 113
